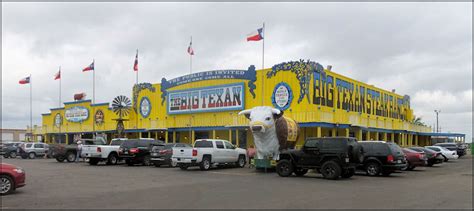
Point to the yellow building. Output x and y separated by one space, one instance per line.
206 105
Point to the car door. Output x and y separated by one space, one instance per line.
310 155
231 154
38 149
220 152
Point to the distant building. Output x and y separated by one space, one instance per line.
12 135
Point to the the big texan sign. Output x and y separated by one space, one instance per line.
207 99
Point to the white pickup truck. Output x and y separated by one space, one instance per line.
108 153
209 152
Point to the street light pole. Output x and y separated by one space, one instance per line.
437 123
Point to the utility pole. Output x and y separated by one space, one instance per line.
437 123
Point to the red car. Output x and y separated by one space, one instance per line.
11 178
414 159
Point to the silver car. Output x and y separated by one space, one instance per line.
32 150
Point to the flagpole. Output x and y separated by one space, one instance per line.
263 62
136 86
60 123
31 109
191 59
189 96
93 100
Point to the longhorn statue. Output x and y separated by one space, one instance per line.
271 131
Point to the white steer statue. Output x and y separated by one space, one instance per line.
271 131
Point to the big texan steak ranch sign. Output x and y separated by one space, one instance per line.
207 99
76 114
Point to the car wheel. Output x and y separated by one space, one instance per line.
300 172
71 157
205 163
112 159
5 155
406 167
284 168
146 161
348 173
331 170
93 161
13 154
173 164
31 155
60 159
7 185
183 166
241 161
372 169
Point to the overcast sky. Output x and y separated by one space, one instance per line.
420 49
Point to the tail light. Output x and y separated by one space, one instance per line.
195 152
99 149
134 150
390 159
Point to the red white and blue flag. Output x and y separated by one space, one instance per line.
135 65
255 35
88 68
25 80
190 48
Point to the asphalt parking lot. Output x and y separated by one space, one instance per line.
77 185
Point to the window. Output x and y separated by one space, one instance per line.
311 143
435 149
228 145
116 142
38 146
219 145
203 144
29 145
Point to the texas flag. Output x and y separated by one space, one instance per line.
58 75
190 48
25 80
135 65
88 68
255 35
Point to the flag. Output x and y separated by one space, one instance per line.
135 65
90 67
255 35
190 48
58 75
25 80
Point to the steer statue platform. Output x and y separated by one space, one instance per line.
272 132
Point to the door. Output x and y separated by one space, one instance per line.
39 149
220 152
310 153
231 154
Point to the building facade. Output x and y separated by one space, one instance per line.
206 105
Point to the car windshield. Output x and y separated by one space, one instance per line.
203 144
395 148
434 148
8 144
116 142
445 149
129 143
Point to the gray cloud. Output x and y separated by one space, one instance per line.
420 49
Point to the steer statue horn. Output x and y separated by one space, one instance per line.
271 131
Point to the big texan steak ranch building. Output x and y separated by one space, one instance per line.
206 105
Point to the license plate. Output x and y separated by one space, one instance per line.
125 152
399 161
347 160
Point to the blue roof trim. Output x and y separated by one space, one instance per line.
75 102
324 124
45 114
443 134
100 104
54 109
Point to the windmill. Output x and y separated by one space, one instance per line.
121 106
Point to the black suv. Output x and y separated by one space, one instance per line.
137 151
382 157
161 154
332 157
459 148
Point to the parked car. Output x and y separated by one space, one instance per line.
137 151
10 149
209 152
102 152
161 154
433 156
11 178
68 152
382 157
33 150
459 148
414 159
332 157
447 154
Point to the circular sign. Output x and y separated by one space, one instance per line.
282 96
99 117
58 120
145 107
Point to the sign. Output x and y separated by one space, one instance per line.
76 114
207 99
145 107
250 75
99 117
58 120
282 96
